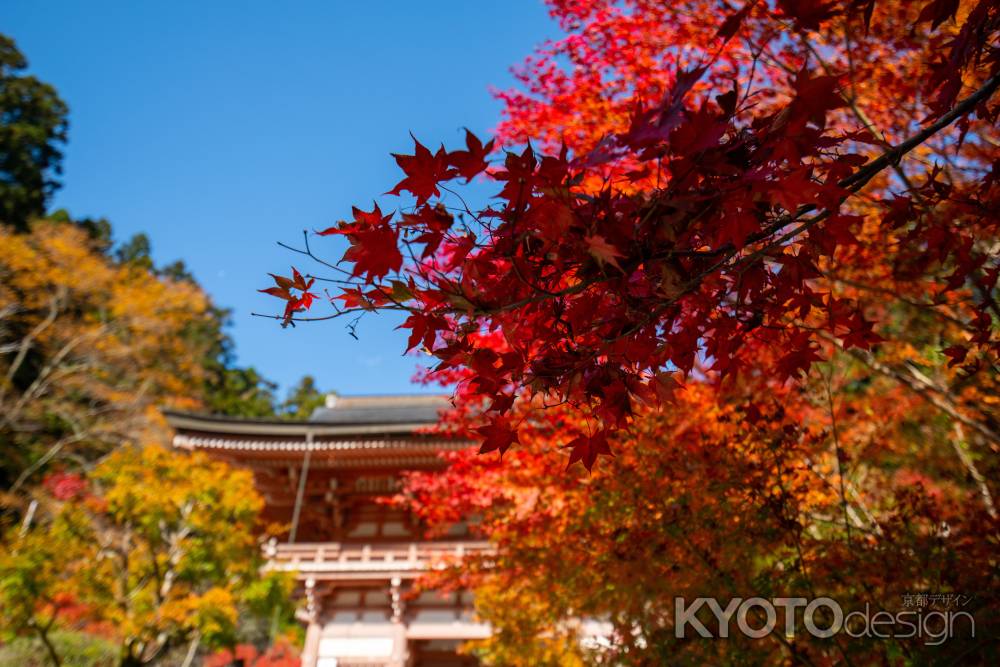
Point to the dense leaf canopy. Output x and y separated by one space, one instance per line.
706 183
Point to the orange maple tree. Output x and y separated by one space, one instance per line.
843 486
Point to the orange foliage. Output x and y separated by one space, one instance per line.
92 349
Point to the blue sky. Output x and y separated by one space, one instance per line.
220 128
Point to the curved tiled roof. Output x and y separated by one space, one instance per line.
350 426
341 416
400 409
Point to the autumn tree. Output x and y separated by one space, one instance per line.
154 549
758 488
704 217
94 342
89 348
32 131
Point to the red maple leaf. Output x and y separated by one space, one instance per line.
424 171
283 290
602 251
802 354
374 252
497 435
586 449
860 334
938 11
472 161
956 354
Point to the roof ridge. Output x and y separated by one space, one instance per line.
337 401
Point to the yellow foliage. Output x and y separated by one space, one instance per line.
93 347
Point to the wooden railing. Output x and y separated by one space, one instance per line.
401 559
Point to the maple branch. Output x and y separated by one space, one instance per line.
25 345
838 452
893 155
339 313
852 99
465 206
854 183
923 306
309 253
960 445
860 178
936 396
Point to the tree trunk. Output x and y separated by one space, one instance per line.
43 634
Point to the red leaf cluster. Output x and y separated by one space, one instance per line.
283 289
65 485
688 234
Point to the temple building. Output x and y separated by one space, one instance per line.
355 558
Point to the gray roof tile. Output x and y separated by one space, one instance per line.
380 410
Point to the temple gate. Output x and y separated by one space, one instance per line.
355 558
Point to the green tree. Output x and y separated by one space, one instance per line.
32 128
302 399
136 251
239 392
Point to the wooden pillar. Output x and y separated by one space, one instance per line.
300 492
401 650
310 649
395 595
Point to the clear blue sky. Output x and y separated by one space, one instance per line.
219 128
